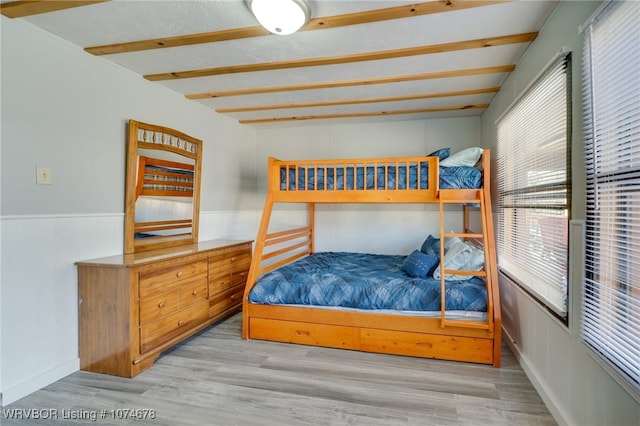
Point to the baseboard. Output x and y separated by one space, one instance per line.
558 413
14 393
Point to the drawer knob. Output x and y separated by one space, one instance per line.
194 292
233 259
136 361
161 305
180 323
179 274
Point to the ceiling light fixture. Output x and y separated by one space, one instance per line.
281 17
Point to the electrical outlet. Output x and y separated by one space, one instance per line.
43 175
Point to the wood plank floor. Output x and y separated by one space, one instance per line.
216 378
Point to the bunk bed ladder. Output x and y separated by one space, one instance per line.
465 197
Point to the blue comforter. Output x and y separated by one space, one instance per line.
363 281
457 177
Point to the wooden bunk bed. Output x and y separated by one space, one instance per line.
384 180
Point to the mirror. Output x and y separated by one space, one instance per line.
162 188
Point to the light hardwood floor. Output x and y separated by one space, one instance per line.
216 378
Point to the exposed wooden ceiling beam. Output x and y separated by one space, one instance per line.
398 12
362 101
346 59
335 21
364 114
178 41
20 9
359 82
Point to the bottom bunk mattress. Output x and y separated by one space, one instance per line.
363 281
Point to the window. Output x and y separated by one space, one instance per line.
533 159
611 294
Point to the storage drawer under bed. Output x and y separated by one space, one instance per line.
425 345
441 346
305 333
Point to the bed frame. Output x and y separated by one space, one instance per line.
440 337
178 178
164 178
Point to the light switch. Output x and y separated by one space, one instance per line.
43 175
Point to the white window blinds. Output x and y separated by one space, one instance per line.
611 294
533 160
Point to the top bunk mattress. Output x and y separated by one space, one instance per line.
363 281
377 177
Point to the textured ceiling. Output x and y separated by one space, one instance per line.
446 59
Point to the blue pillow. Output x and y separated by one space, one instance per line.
442 153
419 265
431 246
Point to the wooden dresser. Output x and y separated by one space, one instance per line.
132 307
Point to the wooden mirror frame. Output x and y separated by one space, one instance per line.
151 137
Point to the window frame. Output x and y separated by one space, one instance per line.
609 313
514 266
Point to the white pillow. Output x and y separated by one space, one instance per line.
467 157
460 256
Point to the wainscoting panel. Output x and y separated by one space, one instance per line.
39 304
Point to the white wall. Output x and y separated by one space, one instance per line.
67 110
385 229
575 388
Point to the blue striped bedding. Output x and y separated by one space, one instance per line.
363 281
455 177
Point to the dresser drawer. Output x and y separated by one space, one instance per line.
219 283
154 281
193 292
235 260
154 307
164 329
242 262
239 277
226 300
225 280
